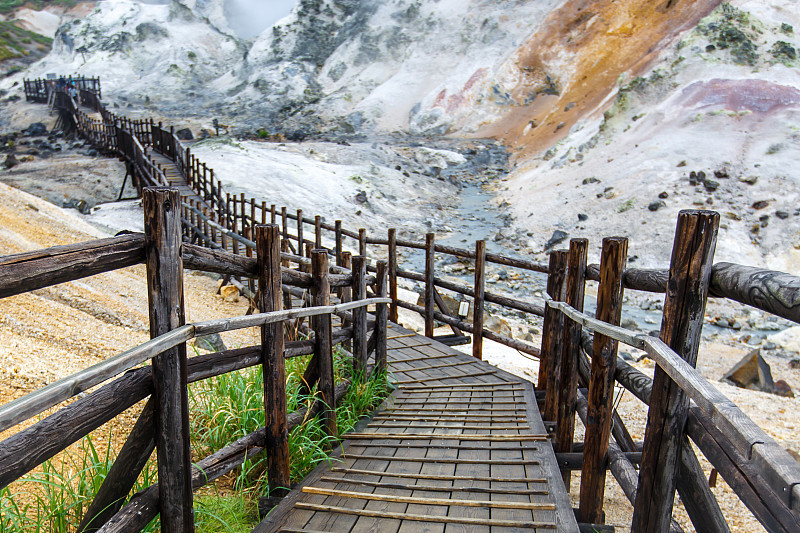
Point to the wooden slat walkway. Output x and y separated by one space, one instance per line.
459 446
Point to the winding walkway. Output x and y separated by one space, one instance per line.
459 446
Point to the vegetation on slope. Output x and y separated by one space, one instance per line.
223 409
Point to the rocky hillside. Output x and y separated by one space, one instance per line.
607 109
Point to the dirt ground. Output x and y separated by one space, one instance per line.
53 332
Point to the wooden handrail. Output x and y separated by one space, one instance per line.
42 399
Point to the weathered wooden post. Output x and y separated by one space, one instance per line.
477 301
429 287
359 285
277 429
393 274
273 215
264 213
165 294
323 349
550 364
681 327
301 246
381 316
362 242
338 238
346 295
317 231
285 223
601 383
568 381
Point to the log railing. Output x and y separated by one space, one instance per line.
116 384
576 372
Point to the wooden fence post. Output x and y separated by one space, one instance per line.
268 252
300 242
323 350
550 364
601 382
285 223
392 241
165 290
362 242
317 231
338 237
429 287
568 381
359 271
273 215
681 327
477 301
381 316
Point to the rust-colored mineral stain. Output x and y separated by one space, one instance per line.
601 40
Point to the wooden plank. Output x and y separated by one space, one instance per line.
438 378
690 270
426 518
437 476
521 437
435 488
601 385
273 362
165 296
428 501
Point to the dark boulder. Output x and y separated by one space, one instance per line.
184 134
557 237
37 129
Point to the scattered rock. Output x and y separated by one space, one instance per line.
583 217
229 293
783 389
794 364
590 179
184 134
722 174
11 161
498 325
361 197
751 372
629 323
711 185
750 180
557 237
760 204
783 215
569 106
663 195
37 129
682 163
211 342
655 206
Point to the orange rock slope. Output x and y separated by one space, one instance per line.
579 53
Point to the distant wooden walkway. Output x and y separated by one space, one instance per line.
459 446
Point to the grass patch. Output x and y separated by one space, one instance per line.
55 499
223 409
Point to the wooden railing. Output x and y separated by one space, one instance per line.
164 420
577 371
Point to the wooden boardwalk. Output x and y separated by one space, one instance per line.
459 446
